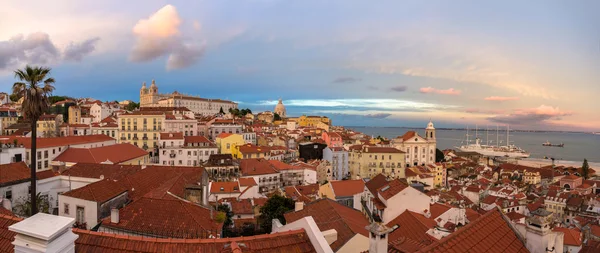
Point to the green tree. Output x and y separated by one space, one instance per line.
439 156
227 222
23 206
585 169
36 86
15 97
54 99
132 106
221 111
276 117
274 208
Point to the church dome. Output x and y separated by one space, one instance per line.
280 109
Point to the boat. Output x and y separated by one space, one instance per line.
508 150
548 144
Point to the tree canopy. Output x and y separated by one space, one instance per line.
274 208
239 113
439 156
276 117
585 169
132 106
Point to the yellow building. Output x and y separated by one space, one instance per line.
74 115
368 161
226 142
141 129
47 125
7 121
311 121
247 151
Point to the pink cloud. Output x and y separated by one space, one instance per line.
480 111
500 99
527 116
450 91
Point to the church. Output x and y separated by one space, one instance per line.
419 149
149 97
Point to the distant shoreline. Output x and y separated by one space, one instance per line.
464 129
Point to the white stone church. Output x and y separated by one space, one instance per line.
419 149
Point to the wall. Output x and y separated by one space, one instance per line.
358 243
326 191
408 199
90 211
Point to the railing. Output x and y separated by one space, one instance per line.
145 138
135 138
172 155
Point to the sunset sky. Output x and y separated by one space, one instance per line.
531 64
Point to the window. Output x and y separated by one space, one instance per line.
66 211
8 194
39 155
53 151
80 214
39 165
46 164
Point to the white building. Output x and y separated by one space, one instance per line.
419 150
149 97
249 137
388 199
100 111
338 158
176 149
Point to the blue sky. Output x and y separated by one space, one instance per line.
531 64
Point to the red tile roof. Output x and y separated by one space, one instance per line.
224 187
241 206
438 209
196 139
58 141
347 188
100 191
329 214
572 236
392 188
7 236
224 135
289 241
13 173
514 216
166 218
171 136
253 167
247 181
411 225
408 135
117 153
94 170
491 232
375 183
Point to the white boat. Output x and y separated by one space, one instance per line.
507 150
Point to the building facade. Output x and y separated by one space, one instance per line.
368 161
141 129
149 97
419 150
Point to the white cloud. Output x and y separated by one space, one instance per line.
159 35
38 48
384 104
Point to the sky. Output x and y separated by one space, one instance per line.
530 64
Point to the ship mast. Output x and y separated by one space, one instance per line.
467 135
487 135
497 138
507 135
476 133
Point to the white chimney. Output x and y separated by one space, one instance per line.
114 215
330 235
298 206
44 233
378 237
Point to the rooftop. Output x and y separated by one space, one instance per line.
107 154
347 188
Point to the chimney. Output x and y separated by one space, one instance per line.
298 206
44 233
114 215
378 237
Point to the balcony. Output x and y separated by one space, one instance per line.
172 155
135 138
145 138
123 138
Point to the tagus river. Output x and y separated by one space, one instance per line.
577 145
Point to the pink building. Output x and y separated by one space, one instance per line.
332 139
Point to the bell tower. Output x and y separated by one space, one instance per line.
143 93
430 131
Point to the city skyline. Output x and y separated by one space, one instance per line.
531 65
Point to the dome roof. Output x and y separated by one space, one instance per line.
280 108
153 84
144 85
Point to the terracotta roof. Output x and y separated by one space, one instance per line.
41 175
117 153
375 183
472 214
247 181
572 236
252 167
347 188
224 187
224 135
58 141
392 188
438 209
490 232
570 177
171 136
196 139
386 150
412 225
13 173
514 216
595 230
168 218
329 214
100 191
108 171
408 135
241 206
159 180
289 241
7 236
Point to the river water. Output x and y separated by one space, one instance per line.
578 146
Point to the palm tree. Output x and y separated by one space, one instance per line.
35 86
